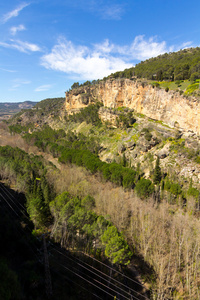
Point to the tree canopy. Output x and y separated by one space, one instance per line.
184 64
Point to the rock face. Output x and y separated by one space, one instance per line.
109 116
169 107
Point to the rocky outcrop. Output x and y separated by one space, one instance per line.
169 107
108 116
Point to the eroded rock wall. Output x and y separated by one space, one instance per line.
169 107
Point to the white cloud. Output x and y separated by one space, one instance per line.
43 88
100 60
104 47
14 13
82 62
142 48
15 29
21 46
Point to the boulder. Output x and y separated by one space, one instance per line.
131 145
121 148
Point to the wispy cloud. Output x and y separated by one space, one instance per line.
7 70
99 60
43 88
112 12
186 45
104 9
142 48
18 82
15 29
14 13
21 46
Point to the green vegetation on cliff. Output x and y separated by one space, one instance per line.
89 114
181 65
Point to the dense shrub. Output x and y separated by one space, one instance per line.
125 119
172 187
128 178
88 114
192 87
84 228
193 192
147 134
116 248
144 188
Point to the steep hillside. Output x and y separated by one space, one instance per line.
169 128
45 111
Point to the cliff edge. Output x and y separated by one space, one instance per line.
169 107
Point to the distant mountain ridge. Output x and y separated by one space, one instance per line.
15 105
7 109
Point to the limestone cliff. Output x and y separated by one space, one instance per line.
170 107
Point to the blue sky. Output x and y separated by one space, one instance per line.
45 46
